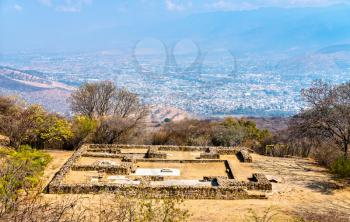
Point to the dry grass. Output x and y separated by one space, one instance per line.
75 177
134 150
58 159
178 155
92 160
190 170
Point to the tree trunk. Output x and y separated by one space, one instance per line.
346 149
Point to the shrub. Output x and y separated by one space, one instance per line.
341 167
268 215
142 209
324 215
20 171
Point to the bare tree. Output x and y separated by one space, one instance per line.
105 93
116 129
126 103
327 117
118 111
21 124
93 99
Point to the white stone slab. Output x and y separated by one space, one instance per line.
157 172
107 163
117 177
130 182
181 183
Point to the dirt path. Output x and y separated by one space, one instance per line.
58 159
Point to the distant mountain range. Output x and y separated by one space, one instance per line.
35 87
260 30
28 80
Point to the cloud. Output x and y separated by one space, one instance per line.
18 7
177 6
46 2
226 5
66 5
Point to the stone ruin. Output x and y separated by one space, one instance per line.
153 152
210 153
244 156
214 187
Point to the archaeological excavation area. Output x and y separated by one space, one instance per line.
160 171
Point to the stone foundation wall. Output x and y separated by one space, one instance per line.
59 176
209 156
106 150
227 151
222 187
185 192
154 153
244 156
220 149
263 185
230 169
181 161
123 169
108 155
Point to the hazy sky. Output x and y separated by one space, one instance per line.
60 25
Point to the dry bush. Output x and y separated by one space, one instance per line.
330 215
226 132
125 209
326 154
268 215
20 198
185 132
32 207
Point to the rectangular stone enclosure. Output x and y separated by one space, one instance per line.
158 172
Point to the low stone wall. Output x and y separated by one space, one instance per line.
108 155
181 161
229 168
261 178
123 169
154 153
222 187
220 149
149 178
59 176
244 156
106 150
227 151
260 182
209 156
185 192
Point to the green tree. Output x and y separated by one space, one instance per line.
53 130
83 127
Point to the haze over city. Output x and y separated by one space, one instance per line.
210 58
